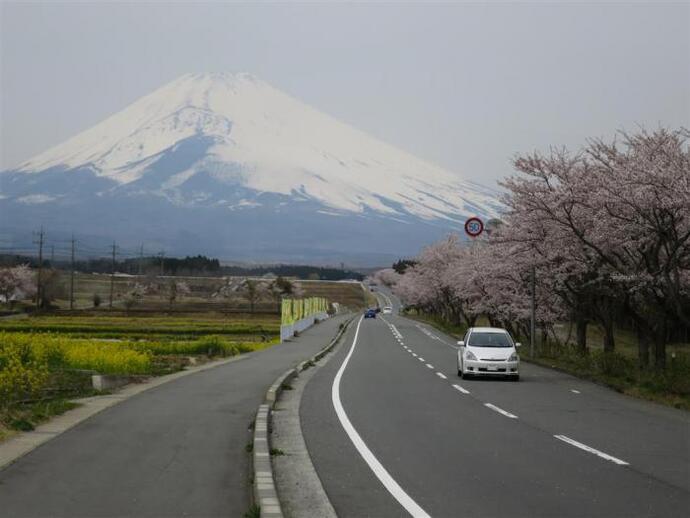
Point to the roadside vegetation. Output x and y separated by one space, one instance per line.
600 240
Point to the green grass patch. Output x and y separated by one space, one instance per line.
621 373
27 416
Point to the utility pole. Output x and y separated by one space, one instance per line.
112 276
71 278
39 287
532 311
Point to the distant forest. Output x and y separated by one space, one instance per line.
193 266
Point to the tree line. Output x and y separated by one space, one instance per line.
190 265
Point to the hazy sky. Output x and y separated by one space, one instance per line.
465 85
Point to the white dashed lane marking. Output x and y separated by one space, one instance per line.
429 365
500 410
441 375
574 391
463 390
589 449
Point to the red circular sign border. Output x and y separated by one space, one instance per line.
481 227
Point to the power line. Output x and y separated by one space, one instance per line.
112 276
71 278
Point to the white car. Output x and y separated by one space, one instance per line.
387 310
488 351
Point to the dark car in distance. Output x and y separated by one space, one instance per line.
370 313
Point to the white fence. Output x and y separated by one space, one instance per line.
288 331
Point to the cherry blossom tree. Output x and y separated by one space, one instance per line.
17 282
607 230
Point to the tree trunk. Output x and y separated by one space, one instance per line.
643 347
581 332
544 338
609 340
660 348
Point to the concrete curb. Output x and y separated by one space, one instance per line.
19 445
264 487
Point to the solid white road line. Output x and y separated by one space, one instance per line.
386 479
500 410
463 390
591 450
429 365
574 391
441 375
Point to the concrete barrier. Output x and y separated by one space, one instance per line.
114 381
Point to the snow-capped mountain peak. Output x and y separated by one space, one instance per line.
266 141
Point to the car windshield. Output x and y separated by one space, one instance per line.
489 340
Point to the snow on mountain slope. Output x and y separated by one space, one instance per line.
262 141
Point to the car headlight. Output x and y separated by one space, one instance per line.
513 357
469 355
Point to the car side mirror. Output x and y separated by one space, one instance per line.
461 343
518 344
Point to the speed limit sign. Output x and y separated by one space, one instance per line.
474 227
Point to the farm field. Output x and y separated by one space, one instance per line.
148 325
202 293
348 294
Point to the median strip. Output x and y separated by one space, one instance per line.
589 449
264 492
500 411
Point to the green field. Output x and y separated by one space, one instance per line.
118 325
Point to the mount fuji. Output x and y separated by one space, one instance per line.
225 164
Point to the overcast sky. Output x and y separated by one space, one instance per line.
464 85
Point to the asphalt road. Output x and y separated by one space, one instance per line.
175 450
434 448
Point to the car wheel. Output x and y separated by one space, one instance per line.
465 375
516 377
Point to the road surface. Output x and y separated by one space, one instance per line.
175 450
393 431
